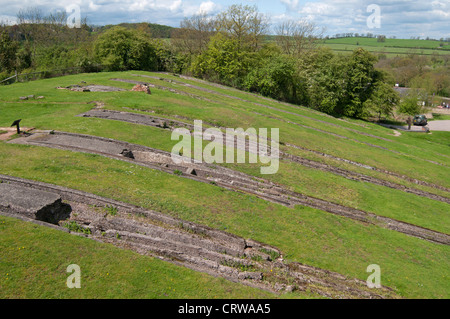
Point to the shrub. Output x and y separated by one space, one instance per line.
124 49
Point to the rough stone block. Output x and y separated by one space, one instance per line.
141 88
33 203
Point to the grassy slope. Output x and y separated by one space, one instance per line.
35 259
306 235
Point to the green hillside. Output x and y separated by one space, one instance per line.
360 166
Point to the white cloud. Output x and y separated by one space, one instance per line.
403 18
290 4
93 6
439 5
8 20
410 17
175 6
207 7
147 5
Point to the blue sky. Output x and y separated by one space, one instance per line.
400 18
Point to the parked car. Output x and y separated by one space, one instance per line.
420 120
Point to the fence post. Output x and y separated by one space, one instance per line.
16 76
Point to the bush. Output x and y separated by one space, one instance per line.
8 51
124 49
223 60
274 77
5 75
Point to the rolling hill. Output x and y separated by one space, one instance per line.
347 194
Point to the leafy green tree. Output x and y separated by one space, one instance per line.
274 75
24 58
411 105
222 60
125 49
8 51
164 55
324 81
360 78
383 100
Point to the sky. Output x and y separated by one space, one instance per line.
399 18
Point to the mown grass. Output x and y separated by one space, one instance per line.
396 204
405 144
35 260
399 205
368 197
415 267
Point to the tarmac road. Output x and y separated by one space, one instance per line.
439 125
432 125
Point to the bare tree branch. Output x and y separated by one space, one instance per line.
295 37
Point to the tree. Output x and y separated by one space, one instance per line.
8 52
411 106
194 34
381 38
258 26
39 32
442 83
341 85
222 60
243 23
274 75
121 49
24 58
296 37
382 100
323 79
360 77
28 21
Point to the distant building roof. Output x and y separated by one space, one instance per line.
401 91
404 91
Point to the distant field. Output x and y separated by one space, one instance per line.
391 47
399 43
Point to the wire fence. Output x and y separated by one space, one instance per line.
25 77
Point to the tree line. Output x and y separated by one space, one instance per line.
230 48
